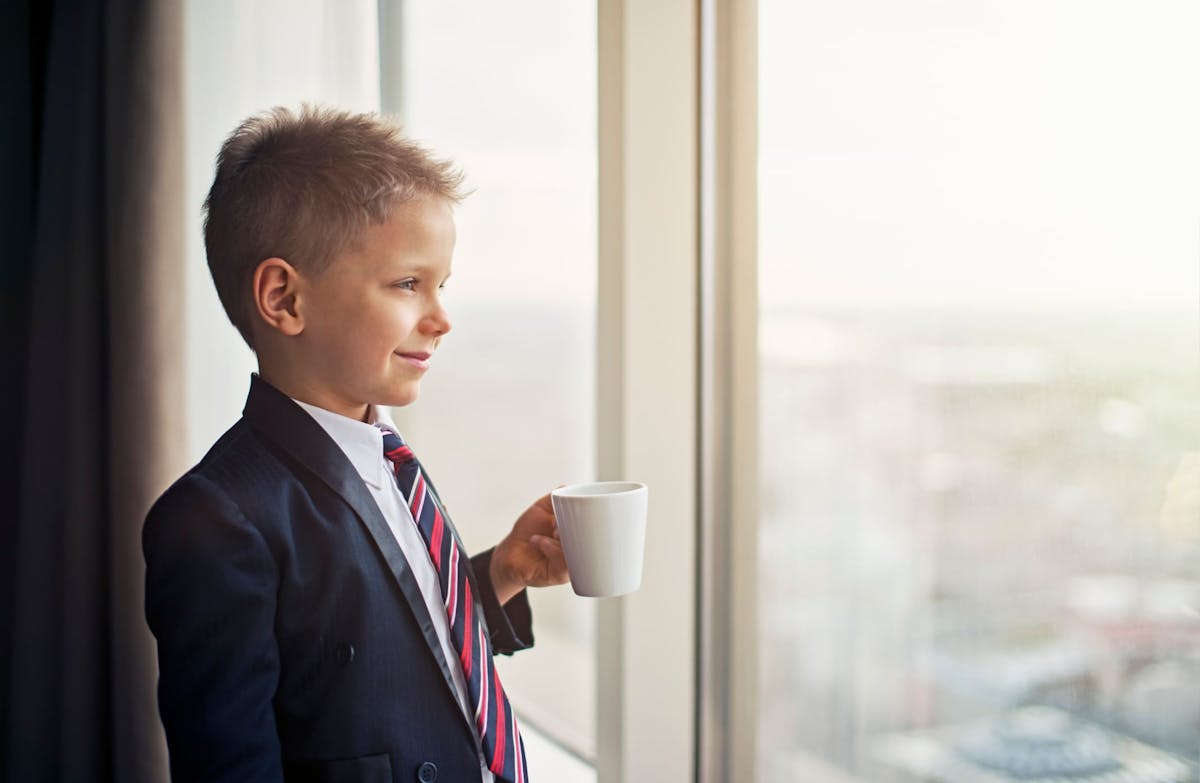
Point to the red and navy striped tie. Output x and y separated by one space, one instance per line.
495 721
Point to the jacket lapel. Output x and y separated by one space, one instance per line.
274 415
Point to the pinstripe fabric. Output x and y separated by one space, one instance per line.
494 719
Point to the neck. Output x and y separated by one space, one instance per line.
299 389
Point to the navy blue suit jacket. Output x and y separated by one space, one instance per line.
293 641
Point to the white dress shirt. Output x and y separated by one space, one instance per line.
362 444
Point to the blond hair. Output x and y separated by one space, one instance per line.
303 186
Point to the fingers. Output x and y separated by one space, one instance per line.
538 559
556 571
548 546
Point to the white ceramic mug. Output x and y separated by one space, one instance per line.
603 530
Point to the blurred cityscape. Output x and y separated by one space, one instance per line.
980 546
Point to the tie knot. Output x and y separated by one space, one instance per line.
393 446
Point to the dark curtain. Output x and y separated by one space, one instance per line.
92 198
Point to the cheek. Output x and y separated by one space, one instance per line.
356 336
388 329
399 322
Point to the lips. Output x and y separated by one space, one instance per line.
416 358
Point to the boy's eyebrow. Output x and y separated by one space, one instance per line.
408 267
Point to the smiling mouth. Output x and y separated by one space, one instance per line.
416 358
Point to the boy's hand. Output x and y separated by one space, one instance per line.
530 555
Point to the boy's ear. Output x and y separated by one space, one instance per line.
275 287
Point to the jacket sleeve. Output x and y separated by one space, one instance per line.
210 602
511 625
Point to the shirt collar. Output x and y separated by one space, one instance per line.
361 442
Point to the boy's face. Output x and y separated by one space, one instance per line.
374 318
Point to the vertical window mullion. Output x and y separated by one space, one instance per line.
647 378
728 317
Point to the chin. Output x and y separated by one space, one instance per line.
400 397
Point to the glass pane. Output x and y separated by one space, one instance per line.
980 391
508 412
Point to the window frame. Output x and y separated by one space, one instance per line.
726 724
647 390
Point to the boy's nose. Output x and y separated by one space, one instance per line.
438 321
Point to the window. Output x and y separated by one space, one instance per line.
979 409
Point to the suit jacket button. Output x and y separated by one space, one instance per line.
427 773
345 653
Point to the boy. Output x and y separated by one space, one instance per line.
316 617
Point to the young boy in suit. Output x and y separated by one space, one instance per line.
316 616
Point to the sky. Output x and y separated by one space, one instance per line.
974 153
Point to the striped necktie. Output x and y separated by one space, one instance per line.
495 721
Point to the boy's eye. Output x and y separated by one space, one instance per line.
408 284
